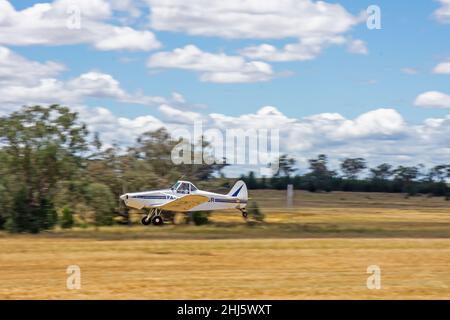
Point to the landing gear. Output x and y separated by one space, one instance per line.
153 216
244 213
157 221
146 221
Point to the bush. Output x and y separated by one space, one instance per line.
28 218
254 213
101 200
67 218
200 217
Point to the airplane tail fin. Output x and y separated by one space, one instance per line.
239 190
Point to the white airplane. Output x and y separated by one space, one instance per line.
183 196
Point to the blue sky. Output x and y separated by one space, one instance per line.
394 67
335 81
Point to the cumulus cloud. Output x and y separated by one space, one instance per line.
433 99
213 67
316 25
442 68
379 135
271 19
88 85
443 13
116 130
47 24
24 81
357 46
15 68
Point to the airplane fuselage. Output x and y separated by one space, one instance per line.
153 199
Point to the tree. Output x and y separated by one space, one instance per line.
101 201
250 180
285 165
43 145
381 172
351 167
439 173
67 220
319 167
406 174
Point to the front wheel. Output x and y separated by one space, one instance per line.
157 221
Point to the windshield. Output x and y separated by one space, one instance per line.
183 188
175 186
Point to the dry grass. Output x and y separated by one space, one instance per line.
318 250
217 269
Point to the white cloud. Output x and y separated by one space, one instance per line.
218 67
23 81
307 48
15 68
433 99
116 130
379 135
271 19
357 47
410 71
316 25
74 91
181 116
46 24
442 68
443 13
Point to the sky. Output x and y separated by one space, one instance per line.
314 70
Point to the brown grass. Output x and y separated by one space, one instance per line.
218 269
320 249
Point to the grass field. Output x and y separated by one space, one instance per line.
318 249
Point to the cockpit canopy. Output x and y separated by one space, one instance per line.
184 187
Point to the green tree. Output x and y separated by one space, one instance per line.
319 167
101 200
406 174
43 145
255 213
381 172
286 166
438 173
67 220
351 167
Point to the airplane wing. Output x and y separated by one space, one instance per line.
184 203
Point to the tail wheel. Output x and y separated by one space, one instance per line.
157 221
244 214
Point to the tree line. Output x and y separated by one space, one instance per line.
410 180
54 172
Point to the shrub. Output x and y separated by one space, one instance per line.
200 217
254 213
101 200
67 218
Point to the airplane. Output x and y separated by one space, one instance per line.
183 196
